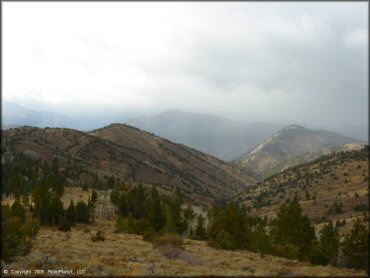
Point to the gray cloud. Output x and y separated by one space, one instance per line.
303 62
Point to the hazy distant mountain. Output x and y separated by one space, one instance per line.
289 142
15 115
360 132
222 138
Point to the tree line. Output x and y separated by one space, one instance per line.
21 221
291 234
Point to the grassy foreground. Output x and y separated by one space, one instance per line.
126 254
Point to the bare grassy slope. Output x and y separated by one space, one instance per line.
124 254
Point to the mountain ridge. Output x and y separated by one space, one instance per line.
133 155
288 142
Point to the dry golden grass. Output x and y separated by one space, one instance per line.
339 185
125 254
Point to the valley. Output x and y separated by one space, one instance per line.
117 162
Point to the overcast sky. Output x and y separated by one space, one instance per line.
300 61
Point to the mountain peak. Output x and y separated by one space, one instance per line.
294 126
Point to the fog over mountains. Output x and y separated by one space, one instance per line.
223 138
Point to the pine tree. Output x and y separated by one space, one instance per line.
329 241
325 251
82 213
91 204
140 202
260 239
200 231
292 227
156 216
115 197
175 221
13 240
70 214
41 199
55 210
356 246
18 210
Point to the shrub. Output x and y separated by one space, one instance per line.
224 241
170 251
149 234
360 207
190 258
289 251
141 225
168 238
64 226
99 236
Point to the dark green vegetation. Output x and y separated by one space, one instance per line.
290 235
17 231
148 214
21 221
22 173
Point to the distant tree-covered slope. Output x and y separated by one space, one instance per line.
123 153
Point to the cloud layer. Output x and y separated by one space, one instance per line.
306 62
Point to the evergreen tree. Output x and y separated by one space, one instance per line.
156 216
70 214
55 210
200 231
41 198
82 213
94 197
292 227
175 221
123 205
356 246
91 204
139 210
325 251
14 234
18 210
260 239
115 197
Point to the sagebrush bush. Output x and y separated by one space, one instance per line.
141 226
99 236
168 238
170 251
223 241
64 226
289 251
149 234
